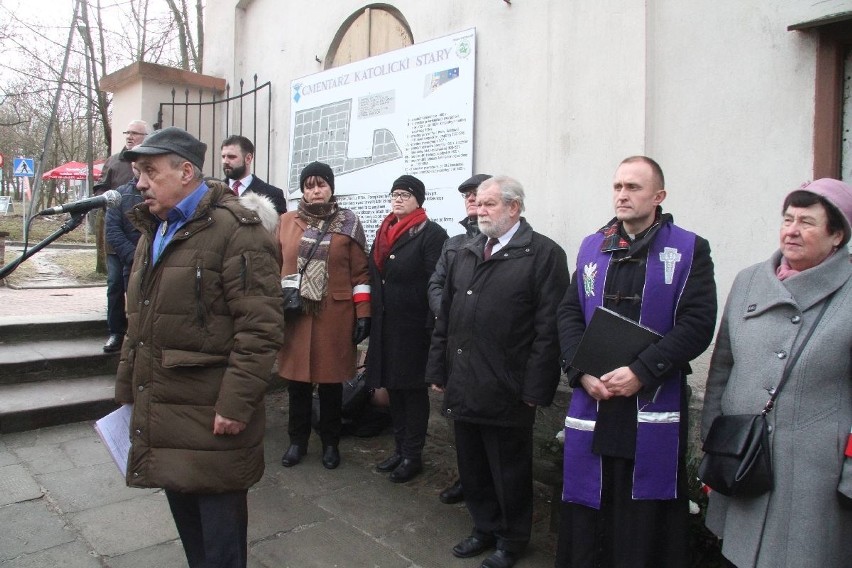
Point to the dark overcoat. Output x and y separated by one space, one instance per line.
269 191
495 346
448 255
402 321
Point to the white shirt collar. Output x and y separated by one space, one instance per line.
244 183
506 237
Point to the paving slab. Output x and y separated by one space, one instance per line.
30 527
49 435
119 528
48 458
87 451
7 457
428 534
89 487
311 479
17 485
70 555
377 507
275 510
162 555
329 544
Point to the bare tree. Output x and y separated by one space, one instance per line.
110 34
191 49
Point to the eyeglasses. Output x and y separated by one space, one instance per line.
468 194
133 133
400 196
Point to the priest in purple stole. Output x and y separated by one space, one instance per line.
625 502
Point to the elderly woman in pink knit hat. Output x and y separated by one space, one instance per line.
806 519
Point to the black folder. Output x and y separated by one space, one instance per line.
611 341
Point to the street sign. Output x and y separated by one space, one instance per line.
23 167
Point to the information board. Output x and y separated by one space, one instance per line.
409 111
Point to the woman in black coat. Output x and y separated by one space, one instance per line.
402 259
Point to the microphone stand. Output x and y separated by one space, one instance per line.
67 227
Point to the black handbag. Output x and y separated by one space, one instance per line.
737 458
291 292
291 285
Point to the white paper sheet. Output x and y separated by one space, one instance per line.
114 430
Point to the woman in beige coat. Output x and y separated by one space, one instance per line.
319 347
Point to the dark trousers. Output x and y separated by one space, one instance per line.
299 421
116 316
409 409
624 533
212 527
495 468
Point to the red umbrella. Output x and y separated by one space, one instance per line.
74 170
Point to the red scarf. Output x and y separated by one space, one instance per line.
391 230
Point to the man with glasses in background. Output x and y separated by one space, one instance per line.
116 173
454 493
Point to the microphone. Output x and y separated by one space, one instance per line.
110 198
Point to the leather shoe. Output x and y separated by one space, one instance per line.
471 546
293 455
452 494
389 464
500 559
113 343
330 457
406 471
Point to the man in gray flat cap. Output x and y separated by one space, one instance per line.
205 323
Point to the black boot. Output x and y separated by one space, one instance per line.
452 494
407 470
330 457
293 455
389 464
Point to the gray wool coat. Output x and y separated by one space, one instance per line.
800 522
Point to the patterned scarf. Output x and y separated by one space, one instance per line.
391 230
314 285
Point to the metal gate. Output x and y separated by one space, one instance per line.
213 119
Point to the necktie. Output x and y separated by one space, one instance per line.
489 246
236 188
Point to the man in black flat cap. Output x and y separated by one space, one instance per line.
454 493
205 322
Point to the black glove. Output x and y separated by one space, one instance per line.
362 330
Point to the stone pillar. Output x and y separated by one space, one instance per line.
139 88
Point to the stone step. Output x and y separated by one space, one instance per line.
28 406
45 326
67 356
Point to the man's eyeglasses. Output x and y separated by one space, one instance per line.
133 133
400 196
468 194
